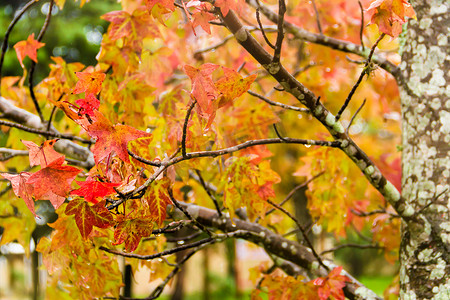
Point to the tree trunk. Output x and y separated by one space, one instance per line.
425 247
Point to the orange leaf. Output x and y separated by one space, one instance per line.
232 85
53 181
202 18
21 188
112 138
89 82
28 48
42 155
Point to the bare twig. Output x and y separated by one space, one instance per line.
186 121
280 35
302 230
354 116
316 11
274 103
366 70
33 64
143 160
49 123
361 29
258 19
8 32
207 190
350 245
45 133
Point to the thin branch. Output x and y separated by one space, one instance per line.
160 254
186 121
361 29
33 64
279 104
316 11
302 230
8 32
143 160
10 153
45 133
49 123
280 35
366 70
183 238
276 131
258 19
358 246
188 215
354 116
207 190
294 190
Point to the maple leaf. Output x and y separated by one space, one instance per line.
53 181
28 48
203 89
21 188
157 199
167 4
202 18
134 27
42 155
87 216
92 189
132 231
112 138
232 85
226 5
331 285
389 15
89 82
88 104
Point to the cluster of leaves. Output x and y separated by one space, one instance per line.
151 74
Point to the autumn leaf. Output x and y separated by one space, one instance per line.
166 4
89 82
112 138
232 85
87 216
88 105
226 5
389 15
21 188
132 231
132 27
201 17
157 199
331 285
53 182
91 189
42 155
203 89
27 48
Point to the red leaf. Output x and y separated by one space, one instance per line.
331 285
131 232
87 216
112 138
92 189
203 89
21 188
53 182
88 105
42 155
89 82
27 48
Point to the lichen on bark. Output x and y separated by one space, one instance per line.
425 249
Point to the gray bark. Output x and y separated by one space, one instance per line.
425 247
